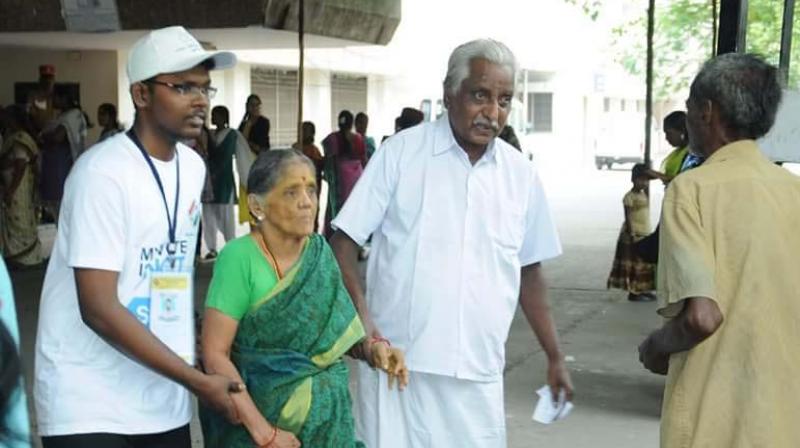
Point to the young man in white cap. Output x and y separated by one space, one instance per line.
115 341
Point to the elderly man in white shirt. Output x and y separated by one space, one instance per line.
460 225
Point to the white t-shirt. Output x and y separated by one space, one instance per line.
449 239
112 218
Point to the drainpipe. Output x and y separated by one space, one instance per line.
301 71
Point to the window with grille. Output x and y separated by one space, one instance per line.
540 111
278 92
348 92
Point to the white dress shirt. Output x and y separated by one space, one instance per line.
449 239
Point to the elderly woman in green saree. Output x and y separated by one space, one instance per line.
279 319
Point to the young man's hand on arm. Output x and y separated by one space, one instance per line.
102 312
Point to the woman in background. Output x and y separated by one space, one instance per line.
107 118
255 128
19 170
345 158
630 272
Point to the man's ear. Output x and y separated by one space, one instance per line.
141 95
707 111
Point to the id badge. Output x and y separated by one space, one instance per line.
171 312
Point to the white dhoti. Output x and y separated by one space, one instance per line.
434 411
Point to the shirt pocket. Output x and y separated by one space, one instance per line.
507 226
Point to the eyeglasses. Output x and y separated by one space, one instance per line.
187 89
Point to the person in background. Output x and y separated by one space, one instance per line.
345 158
58 155
728 272
681 159
397 128
674 126
255 128
362 121
225 145
40 101
629 272
14 423
310 150
73 121
243 154
203 145
509 136
107 119
409 117
19 170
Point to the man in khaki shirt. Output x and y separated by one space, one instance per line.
728 269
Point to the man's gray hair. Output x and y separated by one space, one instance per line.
269 167
493 51
745 88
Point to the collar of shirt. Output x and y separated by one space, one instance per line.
445 141
741 149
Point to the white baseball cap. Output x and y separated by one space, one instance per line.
171 50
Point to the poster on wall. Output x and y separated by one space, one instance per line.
782 143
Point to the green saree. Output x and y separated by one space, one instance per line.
288 350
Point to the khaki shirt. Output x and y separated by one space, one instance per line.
730 231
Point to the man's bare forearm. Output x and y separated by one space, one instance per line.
699 319
346 251
101 311
535 306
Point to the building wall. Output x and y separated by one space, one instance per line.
317 102
95 71
233 87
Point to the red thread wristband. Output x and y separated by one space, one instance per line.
271 439
374 339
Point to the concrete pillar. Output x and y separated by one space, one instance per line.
237 88
382 107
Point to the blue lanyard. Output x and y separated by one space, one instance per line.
172 223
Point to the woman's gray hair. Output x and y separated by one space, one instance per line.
746 89
493 51
269 166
